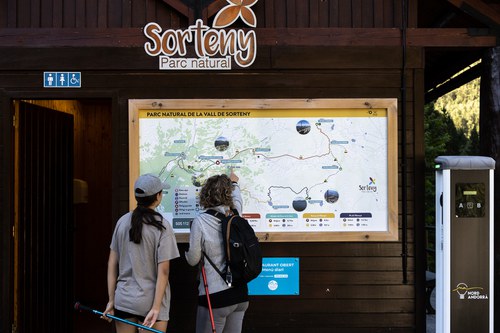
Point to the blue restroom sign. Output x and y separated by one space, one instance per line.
279 276
62 79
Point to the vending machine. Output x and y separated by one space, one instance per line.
464 244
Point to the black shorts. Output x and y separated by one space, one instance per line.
125 315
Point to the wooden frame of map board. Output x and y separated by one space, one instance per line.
310 169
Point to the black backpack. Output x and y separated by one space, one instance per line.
242 249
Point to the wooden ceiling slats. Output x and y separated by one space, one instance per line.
480 10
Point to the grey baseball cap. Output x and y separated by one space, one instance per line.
149 184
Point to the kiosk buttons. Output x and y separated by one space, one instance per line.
470 199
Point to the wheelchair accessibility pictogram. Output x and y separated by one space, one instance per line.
74 80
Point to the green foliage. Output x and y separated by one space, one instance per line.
443 136
439 132
462 104
451 128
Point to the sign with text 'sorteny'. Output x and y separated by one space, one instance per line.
215 48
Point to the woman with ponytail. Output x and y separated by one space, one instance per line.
142 246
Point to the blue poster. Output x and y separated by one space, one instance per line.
279 276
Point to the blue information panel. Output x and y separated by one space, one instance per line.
279 276
62 79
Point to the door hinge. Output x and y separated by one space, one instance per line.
14 123
14 328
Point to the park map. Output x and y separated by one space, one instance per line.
300 170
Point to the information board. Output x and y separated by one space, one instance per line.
279 276
308 167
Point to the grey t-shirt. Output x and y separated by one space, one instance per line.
138 266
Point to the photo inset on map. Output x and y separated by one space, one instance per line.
303 127
299 204
331 196
221 143
198 179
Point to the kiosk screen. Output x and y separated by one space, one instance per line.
470 199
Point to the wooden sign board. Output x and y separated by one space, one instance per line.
310 169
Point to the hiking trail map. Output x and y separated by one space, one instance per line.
301 170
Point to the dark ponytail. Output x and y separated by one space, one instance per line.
143 214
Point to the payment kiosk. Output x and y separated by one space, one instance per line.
464 244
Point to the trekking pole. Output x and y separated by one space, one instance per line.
208 297
80 307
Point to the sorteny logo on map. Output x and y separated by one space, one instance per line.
370 187
215 47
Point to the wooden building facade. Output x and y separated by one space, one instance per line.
54 251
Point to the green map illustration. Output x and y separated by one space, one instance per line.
299 171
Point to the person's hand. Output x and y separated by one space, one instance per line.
110 309
233 176
151 317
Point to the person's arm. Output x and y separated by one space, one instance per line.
111 277
236 193
193 255
161 287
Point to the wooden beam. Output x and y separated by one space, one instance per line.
134 37
479 10
373 37
209 11
453 83
135 59
182 8
441 64
215 7
450 37
179 6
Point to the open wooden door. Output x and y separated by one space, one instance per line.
43 237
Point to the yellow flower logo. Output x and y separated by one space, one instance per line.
236 8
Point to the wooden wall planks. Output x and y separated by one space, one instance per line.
346 287
270 14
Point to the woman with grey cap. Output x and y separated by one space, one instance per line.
142 246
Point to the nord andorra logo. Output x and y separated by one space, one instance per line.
215 48
371 187
466 292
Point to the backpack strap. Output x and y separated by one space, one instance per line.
228 219
213 265
215 213
228 234
219 216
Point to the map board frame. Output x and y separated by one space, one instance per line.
387 105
